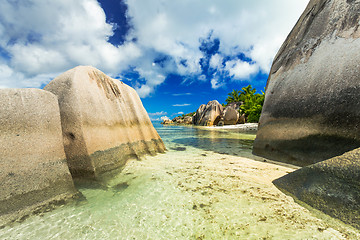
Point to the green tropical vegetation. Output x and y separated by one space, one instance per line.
188 114
252 102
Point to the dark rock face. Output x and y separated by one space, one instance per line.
312 106
331 186
312 109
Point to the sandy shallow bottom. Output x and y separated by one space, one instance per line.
186 193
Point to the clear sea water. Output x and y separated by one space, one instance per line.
201 188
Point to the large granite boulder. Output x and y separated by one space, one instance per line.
197 117
209 114
312 102
331 186
33 169
230 115
103 120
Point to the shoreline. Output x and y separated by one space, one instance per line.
244 126
253 127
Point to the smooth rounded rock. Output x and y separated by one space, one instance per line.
231 116
103 120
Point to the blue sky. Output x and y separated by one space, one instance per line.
177 54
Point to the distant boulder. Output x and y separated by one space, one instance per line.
235 105
167 121
209 114
188 119
103 120
33 165
230 115
198 114
242 119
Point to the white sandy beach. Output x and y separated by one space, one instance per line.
245 127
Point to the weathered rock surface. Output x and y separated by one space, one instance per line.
188 119
209 114
230 115
312 102
331 186
235 105
242 119
103 120
198 114
167 121
33 169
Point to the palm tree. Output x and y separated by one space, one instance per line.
234 96
249 90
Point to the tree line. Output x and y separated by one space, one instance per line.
252 102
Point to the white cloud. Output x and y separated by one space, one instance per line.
241 70
215 83
181 94
256 28
157 113
45 38
163 118
216 61
181 105
51 37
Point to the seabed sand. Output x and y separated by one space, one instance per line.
192 194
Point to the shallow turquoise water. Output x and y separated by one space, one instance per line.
234 142
200 188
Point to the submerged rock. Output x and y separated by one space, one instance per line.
312 102
103 120
34 173
331 186
209 114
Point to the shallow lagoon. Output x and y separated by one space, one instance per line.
203 187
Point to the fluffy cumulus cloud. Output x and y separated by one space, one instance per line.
40 39
205 39
157 113
213 41
158 116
